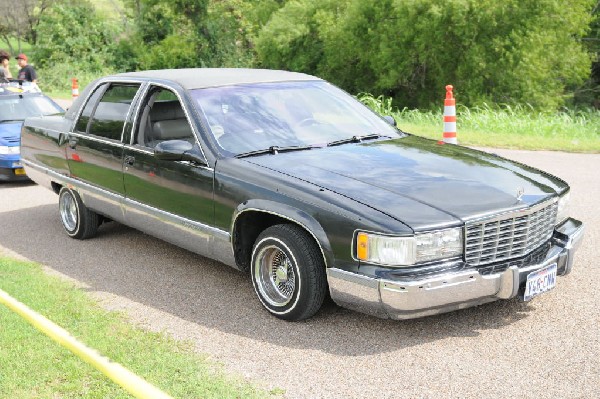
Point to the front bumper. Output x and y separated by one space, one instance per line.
440 293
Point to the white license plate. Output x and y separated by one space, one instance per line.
540 281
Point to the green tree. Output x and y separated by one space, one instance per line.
73 40
188 33
589 92
74 33
20 19
235 24
513 51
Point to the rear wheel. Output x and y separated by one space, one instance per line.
79 222
288 272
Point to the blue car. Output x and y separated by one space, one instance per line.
16 104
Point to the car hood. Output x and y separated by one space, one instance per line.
402 177
9 132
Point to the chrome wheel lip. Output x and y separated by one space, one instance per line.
68 211
270 265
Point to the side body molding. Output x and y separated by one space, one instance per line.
188 234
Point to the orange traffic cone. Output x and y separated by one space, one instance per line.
74 88
450 117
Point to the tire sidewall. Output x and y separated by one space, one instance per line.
291 306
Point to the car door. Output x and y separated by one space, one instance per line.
95 151
172 200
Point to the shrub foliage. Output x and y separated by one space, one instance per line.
513 51
536 52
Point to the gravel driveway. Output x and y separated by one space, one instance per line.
548 348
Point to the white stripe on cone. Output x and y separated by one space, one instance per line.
449 111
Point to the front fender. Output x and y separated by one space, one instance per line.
298 216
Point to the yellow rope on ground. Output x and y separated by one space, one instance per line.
134 384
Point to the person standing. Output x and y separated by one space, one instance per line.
4 69
27 72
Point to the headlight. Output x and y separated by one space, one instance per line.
439 245
407 251
563 208
5 150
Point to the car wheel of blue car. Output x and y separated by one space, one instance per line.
288 272
79 222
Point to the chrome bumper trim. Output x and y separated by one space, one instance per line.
443 293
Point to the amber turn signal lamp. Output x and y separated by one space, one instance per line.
362 246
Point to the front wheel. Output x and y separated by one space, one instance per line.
79 222
288 272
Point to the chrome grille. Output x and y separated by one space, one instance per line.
509 235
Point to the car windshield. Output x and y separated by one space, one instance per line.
252 117
17 108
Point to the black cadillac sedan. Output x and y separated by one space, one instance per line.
288 178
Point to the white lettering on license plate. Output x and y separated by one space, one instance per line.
540 281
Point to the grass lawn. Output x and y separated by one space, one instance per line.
34 366
504 127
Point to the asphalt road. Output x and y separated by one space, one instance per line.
548 348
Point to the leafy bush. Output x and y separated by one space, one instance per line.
73 41
512 51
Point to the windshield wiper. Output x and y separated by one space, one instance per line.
274 150
10 120
356 139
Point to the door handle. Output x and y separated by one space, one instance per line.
129 160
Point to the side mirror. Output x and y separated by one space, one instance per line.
390 119
176 150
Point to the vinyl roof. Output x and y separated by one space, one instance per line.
197 78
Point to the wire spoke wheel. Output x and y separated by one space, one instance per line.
288 272
79 221
275 275
68 211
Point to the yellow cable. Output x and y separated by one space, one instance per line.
134 384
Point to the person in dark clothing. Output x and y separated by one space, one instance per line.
27 72
4 70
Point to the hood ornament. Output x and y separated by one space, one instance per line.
520 192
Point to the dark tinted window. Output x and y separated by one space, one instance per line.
111 112
84 118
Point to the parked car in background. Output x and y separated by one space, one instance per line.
293 181
16 104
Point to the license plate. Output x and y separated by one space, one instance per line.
540 281
19 171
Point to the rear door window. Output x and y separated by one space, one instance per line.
109 116
88 110
105 113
